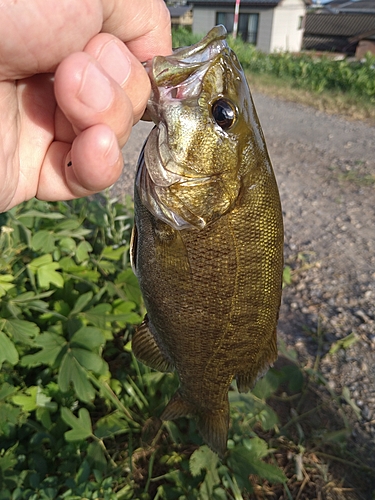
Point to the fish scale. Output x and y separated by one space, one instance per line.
208 245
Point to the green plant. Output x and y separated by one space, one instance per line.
183 37
78 413
74 403
307 71
67 296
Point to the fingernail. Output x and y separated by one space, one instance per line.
115 61
96 90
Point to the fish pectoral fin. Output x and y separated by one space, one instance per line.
213 427
171 250
147 351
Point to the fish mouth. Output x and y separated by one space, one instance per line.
176 78
185 60
180 74
204 49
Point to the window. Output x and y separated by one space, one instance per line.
227 19
252 28
247 25
300 22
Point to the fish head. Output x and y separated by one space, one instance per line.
205 125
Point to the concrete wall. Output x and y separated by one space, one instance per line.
204 18
278 28
286 34
265 30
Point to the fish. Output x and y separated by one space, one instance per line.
207 243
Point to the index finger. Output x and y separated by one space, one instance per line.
144 26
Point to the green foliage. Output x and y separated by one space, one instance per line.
183 37
304 70
66 298
76 408
78 413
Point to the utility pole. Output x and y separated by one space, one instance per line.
235 23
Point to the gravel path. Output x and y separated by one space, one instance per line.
325 166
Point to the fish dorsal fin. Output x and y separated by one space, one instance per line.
147 351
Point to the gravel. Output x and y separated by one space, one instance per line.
325 166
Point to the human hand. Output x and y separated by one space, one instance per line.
71 87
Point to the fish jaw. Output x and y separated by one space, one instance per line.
185 203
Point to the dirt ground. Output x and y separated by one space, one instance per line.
325 166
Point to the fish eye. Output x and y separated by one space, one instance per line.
224 113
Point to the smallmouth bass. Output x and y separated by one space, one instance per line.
207 245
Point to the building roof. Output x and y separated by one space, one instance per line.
360 6
344 25
179 11
327 44
337 32
352 6
334 5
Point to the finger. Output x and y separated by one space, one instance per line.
88 96
26 136
64 130
144 26
93 163
40 34
51 33
119 63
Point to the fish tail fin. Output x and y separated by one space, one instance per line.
212 425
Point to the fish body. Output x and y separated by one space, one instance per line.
208 237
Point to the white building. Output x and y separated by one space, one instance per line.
270 25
